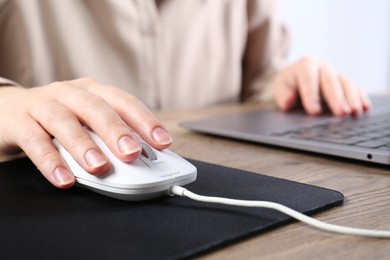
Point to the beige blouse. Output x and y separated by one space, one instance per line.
172 54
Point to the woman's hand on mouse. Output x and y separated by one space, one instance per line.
31 117
312 81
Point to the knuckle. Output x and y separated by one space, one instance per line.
326 66
49 112
58 115
86 81
326 81
37 146
33 142
56 85
92 102
128 99
309 83
115 126
46 159
308 62
54 89
32 138
79 141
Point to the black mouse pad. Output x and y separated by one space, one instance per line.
38 221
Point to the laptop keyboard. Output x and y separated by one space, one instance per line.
370 132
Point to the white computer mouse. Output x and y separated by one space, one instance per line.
150 176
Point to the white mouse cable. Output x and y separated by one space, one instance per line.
180 191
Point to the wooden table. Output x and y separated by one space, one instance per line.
366 188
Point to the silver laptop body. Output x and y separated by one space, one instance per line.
365 138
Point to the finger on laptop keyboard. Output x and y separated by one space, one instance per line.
333 91
366 102
285 90
308 83
352 95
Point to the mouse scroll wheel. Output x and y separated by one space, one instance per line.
147 151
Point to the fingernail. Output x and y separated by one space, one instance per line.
62 176
94 158
317 108
356 109
161 136
347 109
128 146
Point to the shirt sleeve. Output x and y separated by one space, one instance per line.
7 82
266 49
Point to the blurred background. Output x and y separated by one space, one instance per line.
352 35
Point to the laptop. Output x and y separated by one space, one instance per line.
365 138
